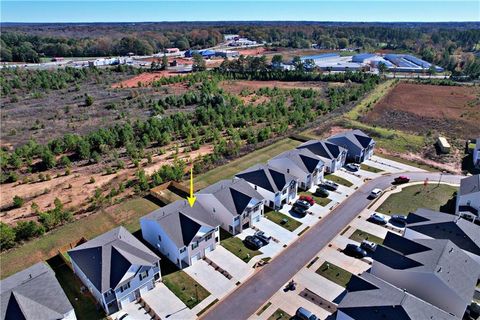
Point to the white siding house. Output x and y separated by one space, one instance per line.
476 154
332 155
359 145
468 197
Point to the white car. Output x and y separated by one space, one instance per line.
353 166
375 193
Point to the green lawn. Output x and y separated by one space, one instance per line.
370 168
279 314
265 307
367 104
279 218
258 156
338 180
319 200
360 235
236 246
83 304
334 273
411 198
126 214
185 288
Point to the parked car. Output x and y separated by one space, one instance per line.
253 243
322 192
302 203
260 235
368 245
304 314
300 210
398 219
309 199
401 179
377 219
330 185
375 193
353 166
354 251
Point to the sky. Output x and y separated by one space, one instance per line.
232 10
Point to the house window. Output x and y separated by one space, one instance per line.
236 218
183 249
125 287
160 238
208 237
143 275
194 245
284 191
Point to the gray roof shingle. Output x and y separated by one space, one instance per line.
470 185
33 294
305 159
323 149
106 258
266 177
356 136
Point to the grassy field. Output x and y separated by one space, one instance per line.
370 168
279 314
185 288
411 198
360 235
230 169
279 218
126 214
334 273
236 246
319 200
339 180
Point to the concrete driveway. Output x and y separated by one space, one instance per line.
166 304
272 229
215 282
134 311
230 263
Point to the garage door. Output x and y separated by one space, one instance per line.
209 248
196 258
127 300
144 289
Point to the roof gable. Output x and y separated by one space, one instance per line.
13 311
278 178
118 267
89 260
310 163
240 200
257 177
189 228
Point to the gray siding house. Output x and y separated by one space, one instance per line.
234 203
359 146
468 197
371 298
434 270
275 186
34 294
303 164
181 233
331 154
116 267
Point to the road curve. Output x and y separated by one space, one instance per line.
260 287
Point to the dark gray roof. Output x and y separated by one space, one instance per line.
357 137
266 177
33 293
306 160
470 185
371 298
439 225
234 194
323 149
442 258
182 222
106 258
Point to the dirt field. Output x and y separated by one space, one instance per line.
450 110
145 79
236 86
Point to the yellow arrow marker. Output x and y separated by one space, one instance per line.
192 198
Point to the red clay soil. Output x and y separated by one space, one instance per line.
236 86
252 51
453 110
145 79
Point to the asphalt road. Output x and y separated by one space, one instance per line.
252 294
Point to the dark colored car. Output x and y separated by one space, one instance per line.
377 219
353 167
322 192
398 219
253 243
309 199
329 185
304 314
368 246
300 210
260 235
401 179
354 251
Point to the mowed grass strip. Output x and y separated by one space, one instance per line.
279 314
258 156
265 307
433 196
370 168
334 273
236 246
318 200
185 288
339 180
360 235
126 214
283 220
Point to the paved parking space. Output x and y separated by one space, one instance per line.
166 304
216 283
352 265
134 311
319 285
230 263
278 232
270 250
350 176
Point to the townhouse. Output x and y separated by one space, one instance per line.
332 155
359 145
468 197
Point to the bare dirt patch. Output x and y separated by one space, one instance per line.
450 110
145 79
236 86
